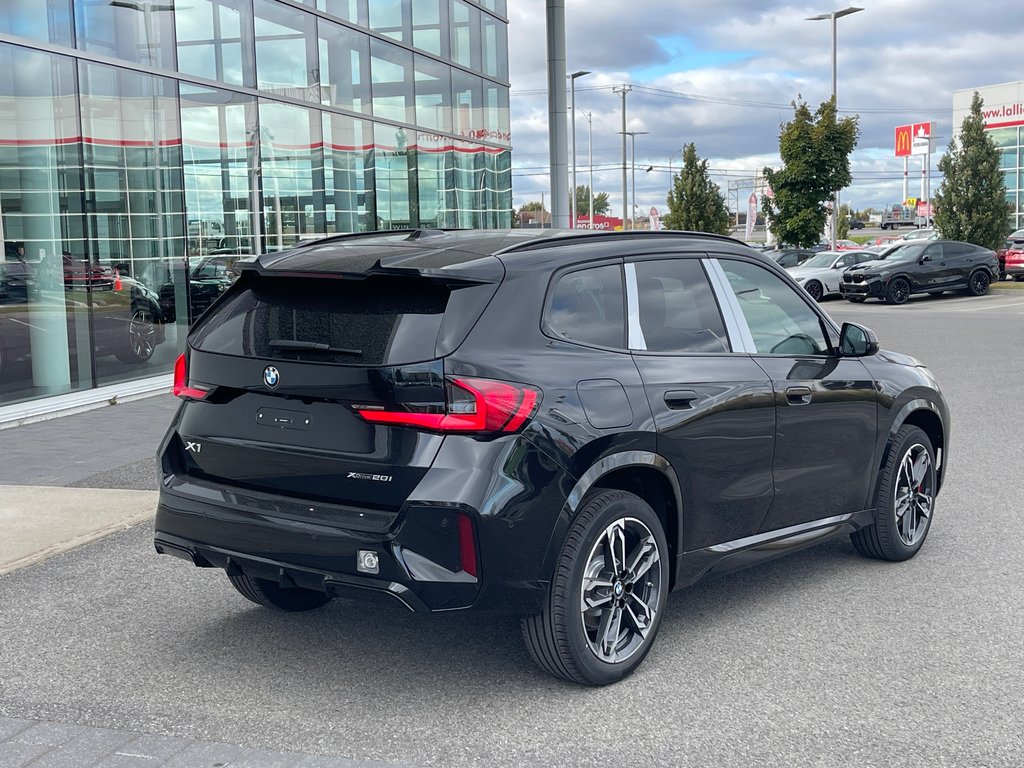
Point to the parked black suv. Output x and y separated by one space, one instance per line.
922 266
565 425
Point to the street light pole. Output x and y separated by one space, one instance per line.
834 16
590 162
572 112
632 149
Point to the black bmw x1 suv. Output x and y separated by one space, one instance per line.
564 425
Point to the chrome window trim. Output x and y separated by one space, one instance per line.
735 322
635 333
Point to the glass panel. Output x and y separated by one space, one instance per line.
1004 137
344 67
390 17
215 40
498 6
1008 158
348 174
678 313
496 114
392 82
587 307
48 21
293 174
779 319
287 62
44 323
468 102
465 34
430 26
142 32
395 170
494 41
217 129
1010 179
433 94
348 10
135 219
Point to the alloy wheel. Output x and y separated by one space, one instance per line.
899 291
621 590
142 335
814 289
914 494
979 283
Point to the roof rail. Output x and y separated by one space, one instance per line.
577 235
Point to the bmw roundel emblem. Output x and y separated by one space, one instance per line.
271 377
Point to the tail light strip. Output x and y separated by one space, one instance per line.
181 383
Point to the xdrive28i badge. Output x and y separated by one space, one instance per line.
271 377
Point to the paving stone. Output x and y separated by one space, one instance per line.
11 726
51 734
86 750
208 755
17 754
154 747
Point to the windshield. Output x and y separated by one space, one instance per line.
823 259
904 252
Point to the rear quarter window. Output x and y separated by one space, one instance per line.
588 306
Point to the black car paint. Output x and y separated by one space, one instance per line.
925 273
724 506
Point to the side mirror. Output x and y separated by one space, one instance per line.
857 341
838 265
923 259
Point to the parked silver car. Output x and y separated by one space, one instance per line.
821 274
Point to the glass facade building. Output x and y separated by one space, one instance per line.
147 144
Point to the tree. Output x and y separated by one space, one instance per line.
843 225
601 204
695 203
533 211
970 204
815 150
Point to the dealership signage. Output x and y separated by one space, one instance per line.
600 222
914 139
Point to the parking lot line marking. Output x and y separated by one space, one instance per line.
992 306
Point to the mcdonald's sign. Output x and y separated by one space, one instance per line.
904 140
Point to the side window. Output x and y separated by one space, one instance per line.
934 252
780 321
587 306
862 257
678 311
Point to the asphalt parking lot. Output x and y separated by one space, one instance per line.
819 659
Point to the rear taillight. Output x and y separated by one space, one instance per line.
467 545
474 405
181 387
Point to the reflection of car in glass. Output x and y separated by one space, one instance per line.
561 425
210 277
821 274
924 266
789 257
125 313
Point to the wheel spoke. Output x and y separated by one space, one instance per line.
591 597
615 541
920 468
644 556
608 631
643 620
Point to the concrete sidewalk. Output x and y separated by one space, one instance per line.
68 481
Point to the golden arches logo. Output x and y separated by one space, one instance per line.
904 138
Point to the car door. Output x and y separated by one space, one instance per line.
932 270
825 405
713 406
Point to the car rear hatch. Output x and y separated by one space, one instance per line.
284 373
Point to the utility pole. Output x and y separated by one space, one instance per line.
632 145
623 90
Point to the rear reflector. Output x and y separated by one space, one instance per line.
474 405
467 545
181 387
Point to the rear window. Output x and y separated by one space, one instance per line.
377 321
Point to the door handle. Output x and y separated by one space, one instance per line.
680 399
798 395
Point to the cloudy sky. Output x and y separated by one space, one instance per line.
722 74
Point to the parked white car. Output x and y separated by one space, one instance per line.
821 274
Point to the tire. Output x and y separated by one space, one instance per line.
894 536
271 595
141 341
566 640
898 291
857 299
978 283
1019 278
814 289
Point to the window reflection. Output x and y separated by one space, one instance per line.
354 11
291 160
48 21
433 94
395 169
430 26
344 67
465 34
215 40
140 31
387 18
392 87
287 61
348 174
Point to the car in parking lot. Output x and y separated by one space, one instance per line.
1013 260
925 266
856 224
790 257
564 425
821 274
